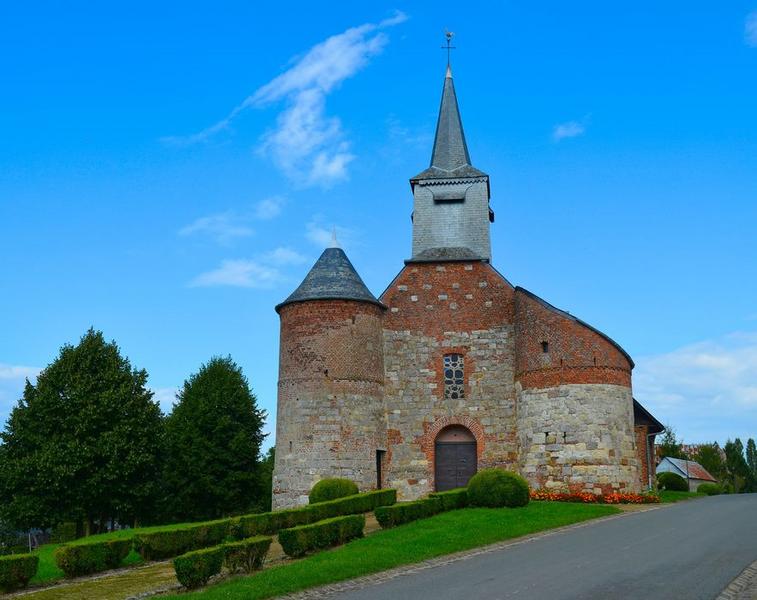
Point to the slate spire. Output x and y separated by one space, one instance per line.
332 278
450 150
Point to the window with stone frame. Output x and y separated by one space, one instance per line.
454 387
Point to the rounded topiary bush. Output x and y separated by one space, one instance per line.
496 488
711 489
672 482
331 489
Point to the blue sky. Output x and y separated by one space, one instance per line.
168 176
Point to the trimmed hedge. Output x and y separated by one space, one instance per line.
404 512
452 499
16 570
496 488
193 569
331 489
711 489
672 482
323 534
248 555
91 557
272 522
168 543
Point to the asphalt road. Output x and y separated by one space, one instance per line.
691 551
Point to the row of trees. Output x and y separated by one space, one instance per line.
734 465
88 444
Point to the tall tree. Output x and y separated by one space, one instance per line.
710 457
213 445
83 443
669 445
751 456
738 470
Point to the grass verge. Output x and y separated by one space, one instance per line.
442 534
668 496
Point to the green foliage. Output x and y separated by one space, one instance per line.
711 489
83 443
331 489
496 488
91 557
672 482
452 499
193 569
270 523
405 512
16 570
63 532
213 444
170 542
738 469
247 555
297 541
266 479
709 456
670 445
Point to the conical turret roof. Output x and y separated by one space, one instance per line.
332 278
450 158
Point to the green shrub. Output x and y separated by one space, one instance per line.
63 532
496 487
452 499
193 569
672 482
323 534
270 523
404 512
711 489
171 542
16 570
331 489
247 555
91 557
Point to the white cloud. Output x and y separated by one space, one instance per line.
308 146
323 236
12 381
165 397
570 129
223 227
750 29
285 256
707 390
269 208
239 273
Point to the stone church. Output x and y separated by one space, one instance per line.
452 368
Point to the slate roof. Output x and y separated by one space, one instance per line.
451 254
332 278
450 158
695 470
642 416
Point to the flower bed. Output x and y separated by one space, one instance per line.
589 498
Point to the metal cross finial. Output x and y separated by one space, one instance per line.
449 35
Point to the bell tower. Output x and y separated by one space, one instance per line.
451 213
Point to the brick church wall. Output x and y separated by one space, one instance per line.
437 309
575 409
330 419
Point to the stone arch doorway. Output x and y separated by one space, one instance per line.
455 459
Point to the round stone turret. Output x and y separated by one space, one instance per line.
330 420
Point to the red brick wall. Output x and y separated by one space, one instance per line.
641 432
577 354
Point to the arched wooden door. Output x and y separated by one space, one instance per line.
454 458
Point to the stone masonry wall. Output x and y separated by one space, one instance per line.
457 224
578 437
330 418
436 309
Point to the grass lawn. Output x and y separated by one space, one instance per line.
445 533
671 496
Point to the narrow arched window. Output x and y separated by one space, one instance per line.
454 387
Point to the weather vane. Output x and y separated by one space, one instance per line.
449 35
